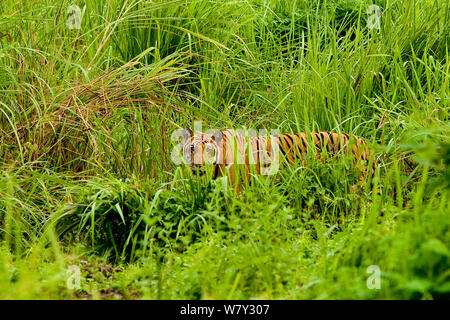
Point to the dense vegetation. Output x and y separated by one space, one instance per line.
86 177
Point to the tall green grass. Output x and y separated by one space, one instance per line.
86 179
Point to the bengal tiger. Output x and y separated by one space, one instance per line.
225 149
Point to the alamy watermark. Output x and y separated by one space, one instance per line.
374 20
75 17
374 280
74 278
226 147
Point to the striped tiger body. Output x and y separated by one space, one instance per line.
225 149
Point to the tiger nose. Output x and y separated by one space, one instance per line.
197 169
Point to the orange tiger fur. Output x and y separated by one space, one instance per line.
228 148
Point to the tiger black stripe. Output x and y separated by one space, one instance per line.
324 141
289 142
297 148
333 143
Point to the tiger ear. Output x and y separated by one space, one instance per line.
216 136
187 133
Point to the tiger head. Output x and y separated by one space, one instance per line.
202 149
